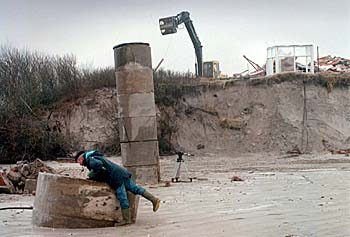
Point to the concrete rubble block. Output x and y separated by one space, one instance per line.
137 129
6 185
30 185
233 123
66 202
140 153
136 105
134 78
2 181
145 174
14 176
6 189
25 170
132 52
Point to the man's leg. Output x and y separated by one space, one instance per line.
132 187
124 204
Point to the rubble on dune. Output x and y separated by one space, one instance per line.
334 64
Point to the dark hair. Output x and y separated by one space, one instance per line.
78 154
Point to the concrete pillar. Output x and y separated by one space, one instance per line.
137 111
66 202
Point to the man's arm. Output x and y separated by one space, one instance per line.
97 172
95 164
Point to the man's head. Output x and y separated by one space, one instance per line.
79 157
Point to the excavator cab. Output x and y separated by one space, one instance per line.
211 69
168 25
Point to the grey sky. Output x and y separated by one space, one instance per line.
227 29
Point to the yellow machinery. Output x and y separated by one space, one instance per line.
211 69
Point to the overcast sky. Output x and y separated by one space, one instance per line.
227 29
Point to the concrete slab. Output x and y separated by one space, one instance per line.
134 78
137 129
145 174
66 202
140 153
136 105
30 185
132 52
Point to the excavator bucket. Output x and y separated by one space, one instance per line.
168 25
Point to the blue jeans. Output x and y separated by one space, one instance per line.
127 185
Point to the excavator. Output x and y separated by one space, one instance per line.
169 25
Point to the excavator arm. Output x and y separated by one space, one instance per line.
169 25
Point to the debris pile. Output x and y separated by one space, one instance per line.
22 177
334 64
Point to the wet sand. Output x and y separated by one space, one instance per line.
285 196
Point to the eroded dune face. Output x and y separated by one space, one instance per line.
226 117
275 117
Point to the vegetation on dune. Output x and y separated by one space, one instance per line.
32 83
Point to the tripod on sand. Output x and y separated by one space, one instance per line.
180 162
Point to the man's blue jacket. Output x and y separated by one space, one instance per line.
102 169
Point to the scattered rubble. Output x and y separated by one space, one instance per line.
167 184
334 64
340 151
326 64
295 151
334 150
200 146
22 177
236 178
233 123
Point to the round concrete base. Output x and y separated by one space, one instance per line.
65 202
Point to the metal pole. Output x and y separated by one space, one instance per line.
160 62
318 59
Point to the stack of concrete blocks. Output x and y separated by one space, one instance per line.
137 111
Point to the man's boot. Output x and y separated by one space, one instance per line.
155 201
126 218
